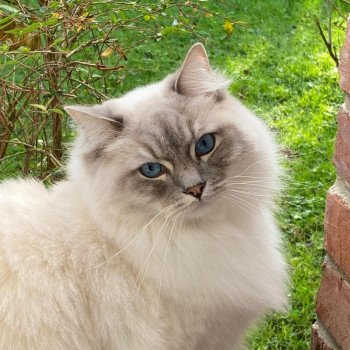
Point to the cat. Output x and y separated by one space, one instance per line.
163 235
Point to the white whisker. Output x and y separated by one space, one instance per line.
147 261
165 256
130 242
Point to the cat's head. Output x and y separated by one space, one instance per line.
178 145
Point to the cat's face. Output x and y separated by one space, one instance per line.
173 145
173 157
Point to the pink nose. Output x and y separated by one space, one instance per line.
196 190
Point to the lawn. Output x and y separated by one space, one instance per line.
280 68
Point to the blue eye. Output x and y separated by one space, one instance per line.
152 170
205 144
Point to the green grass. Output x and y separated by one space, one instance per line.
281 70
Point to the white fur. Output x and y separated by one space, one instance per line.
78 271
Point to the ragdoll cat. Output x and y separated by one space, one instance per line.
163 235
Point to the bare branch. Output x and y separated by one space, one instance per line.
329 46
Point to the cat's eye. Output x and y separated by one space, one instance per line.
152 170
205 145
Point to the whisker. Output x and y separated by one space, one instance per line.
178 247
148 259
239 201
251 194
251 186
165 256
240 205
251 165
130 242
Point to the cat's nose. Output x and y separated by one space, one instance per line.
196 190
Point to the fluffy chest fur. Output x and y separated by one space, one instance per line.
162 292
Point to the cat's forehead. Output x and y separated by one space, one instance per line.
172 122
158 103
165 132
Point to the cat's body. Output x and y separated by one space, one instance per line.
90 264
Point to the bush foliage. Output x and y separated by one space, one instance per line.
55 51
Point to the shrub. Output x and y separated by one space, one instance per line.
52 51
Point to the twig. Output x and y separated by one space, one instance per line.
35 149
12 156
329 46
98 66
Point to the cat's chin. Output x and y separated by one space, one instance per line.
200 208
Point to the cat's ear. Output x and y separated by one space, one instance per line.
95 123
196 77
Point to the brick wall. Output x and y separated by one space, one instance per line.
332 329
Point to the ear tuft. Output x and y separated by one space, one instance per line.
97 126
198 55
86 116
195 77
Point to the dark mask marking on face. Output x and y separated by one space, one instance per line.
172 142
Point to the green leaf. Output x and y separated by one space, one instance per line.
24 30
9 8
7 19
54 4
122 15
4 47
59 40
23 49
171 30
42 107
32 27
10 63
56 110
114 18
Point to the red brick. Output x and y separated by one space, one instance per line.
337 231
342 145
344 64
321 339
333 304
